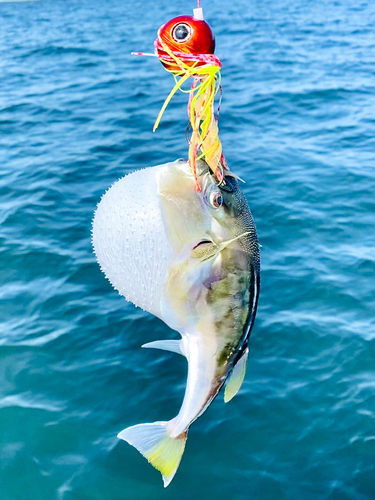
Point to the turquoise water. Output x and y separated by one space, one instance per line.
297 123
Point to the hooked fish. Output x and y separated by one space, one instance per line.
191 258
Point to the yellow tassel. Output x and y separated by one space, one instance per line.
205 131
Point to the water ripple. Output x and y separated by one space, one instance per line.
76 114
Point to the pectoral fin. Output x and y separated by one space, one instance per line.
166 345
224 244
236 377
205 250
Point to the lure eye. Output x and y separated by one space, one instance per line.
181 32
214 197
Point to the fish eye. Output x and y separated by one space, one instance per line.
181 32
214 197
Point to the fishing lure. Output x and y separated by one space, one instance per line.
185 46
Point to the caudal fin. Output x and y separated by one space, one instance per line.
153 441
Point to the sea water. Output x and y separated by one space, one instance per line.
297 124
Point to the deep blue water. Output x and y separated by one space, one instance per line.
297 123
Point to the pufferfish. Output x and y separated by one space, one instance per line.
191 258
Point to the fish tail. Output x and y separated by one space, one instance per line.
154 443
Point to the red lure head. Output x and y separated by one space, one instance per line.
184 34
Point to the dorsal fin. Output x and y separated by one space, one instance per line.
235 379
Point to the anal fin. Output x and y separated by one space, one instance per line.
166 345
236 377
